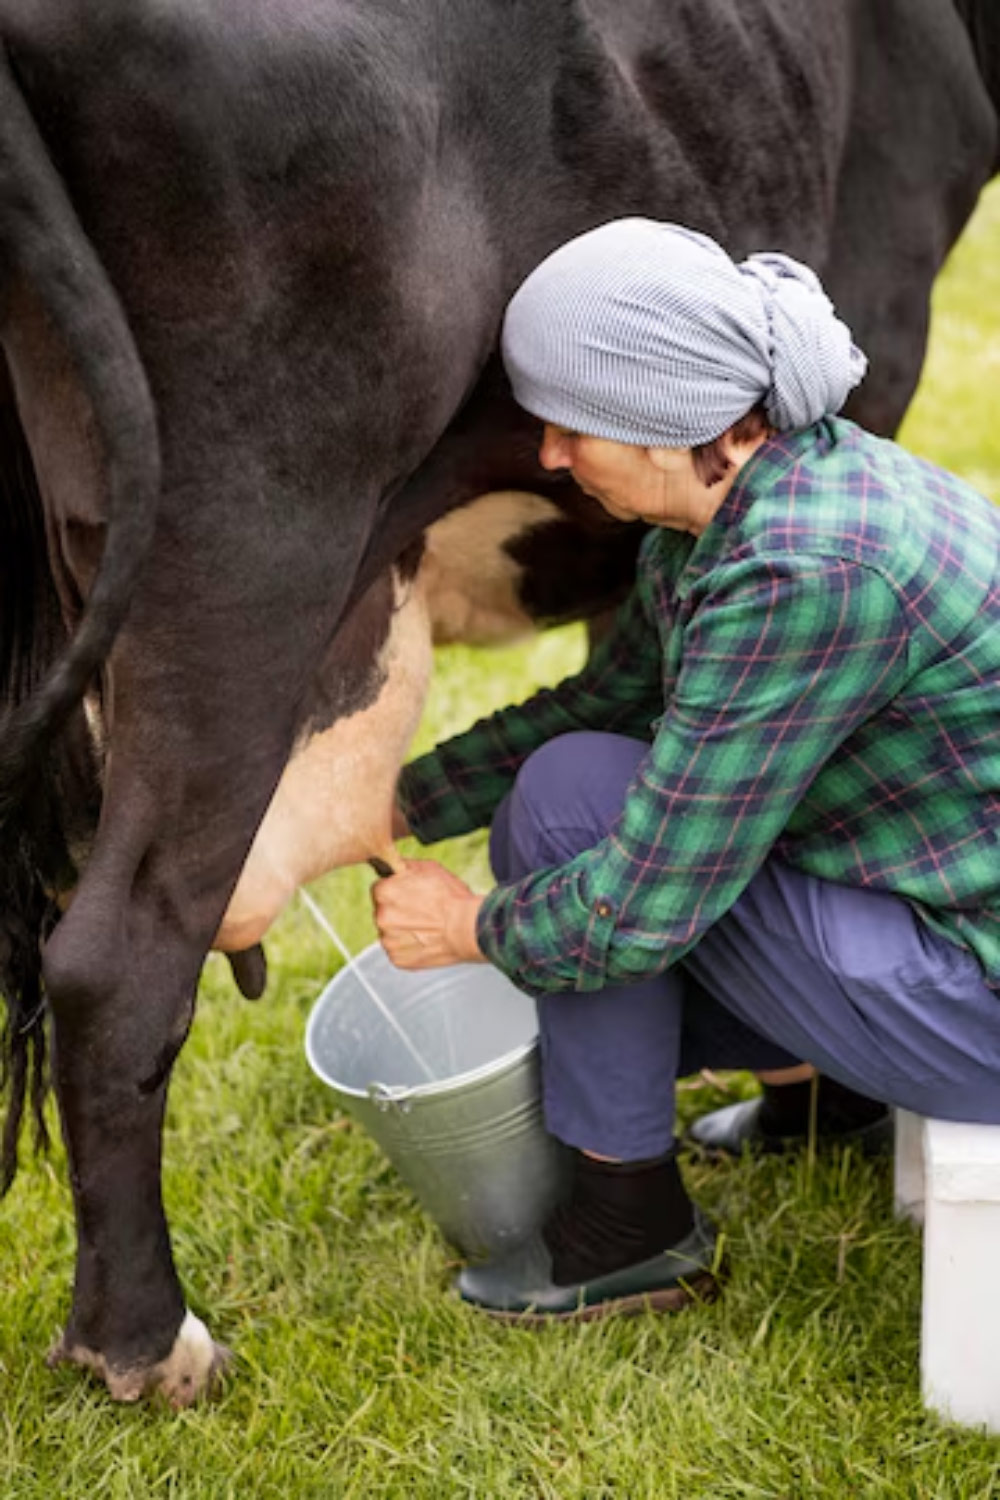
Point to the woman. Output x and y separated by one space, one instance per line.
761 825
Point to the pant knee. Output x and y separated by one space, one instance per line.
567 796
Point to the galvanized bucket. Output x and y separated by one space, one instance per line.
470 1143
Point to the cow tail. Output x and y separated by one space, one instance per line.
43 247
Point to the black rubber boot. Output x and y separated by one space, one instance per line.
778 1121
627 1239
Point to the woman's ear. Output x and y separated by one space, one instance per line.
738 451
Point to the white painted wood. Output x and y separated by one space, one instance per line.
960 1335
962 1162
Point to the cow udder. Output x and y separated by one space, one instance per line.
333 805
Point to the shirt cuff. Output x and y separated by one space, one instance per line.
546 933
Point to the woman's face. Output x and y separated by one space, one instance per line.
656 485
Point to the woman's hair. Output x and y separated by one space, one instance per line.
709 459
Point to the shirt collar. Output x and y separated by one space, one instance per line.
758 476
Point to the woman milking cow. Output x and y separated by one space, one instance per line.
760 828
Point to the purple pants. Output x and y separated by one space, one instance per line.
799 969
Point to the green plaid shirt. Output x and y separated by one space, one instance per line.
818 675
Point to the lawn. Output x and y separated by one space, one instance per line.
359 1374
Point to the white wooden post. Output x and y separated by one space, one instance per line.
960 1340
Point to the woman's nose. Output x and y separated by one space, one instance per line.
554 451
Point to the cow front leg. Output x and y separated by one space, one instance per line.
121 974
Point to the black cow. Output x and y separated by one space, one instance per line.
253 260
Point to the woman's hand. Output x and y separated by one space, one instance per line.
426 917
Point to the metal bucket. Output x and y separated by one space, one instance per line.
470 1144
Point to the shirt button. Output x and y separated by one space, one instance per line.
603 908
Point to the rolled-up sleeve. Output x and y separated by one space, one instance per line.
457 787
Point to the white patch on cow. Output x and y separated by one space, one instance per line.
333 805
472 582
192 1364
189 1370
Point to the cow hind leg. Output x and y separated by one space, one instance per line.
902 204
121 973
121 1005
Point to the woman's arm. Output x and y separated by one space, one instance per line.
457 786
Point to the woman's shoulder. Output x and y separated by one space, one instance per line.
846 495
833 490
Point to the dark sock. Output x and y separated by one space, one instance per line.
785 1110
618 1214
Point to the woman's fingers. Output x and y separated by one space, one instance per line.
426 916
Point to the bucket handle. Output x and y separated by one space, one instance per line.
390 1098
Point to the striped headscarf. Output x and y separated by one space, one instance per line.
648 333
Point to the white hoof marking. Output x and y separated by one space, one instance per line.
192 1364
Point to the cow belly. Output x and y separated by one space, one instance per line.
333 805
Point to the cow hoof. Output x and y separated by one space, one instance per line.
192 1369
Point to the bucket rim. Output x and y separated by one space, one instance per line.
486 1071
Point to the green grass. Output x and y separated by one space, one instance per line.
357 1372
955 419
